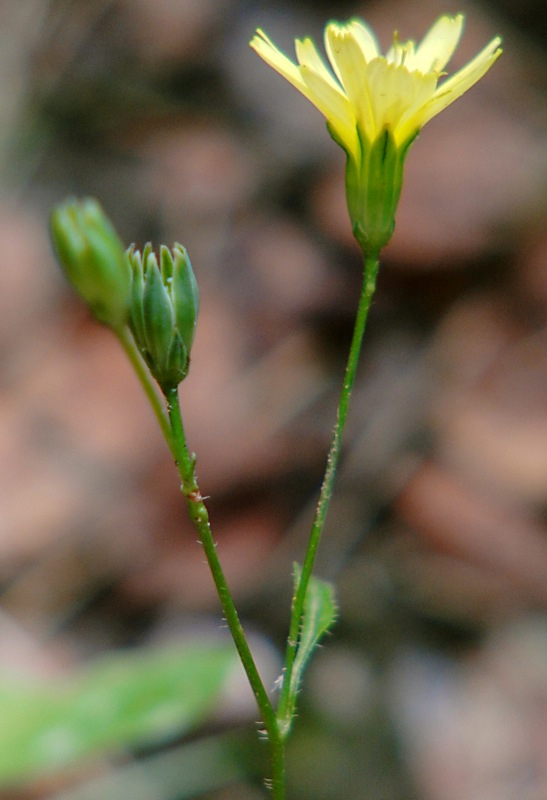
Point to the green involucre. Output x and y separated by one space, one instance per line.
93 259
164 309
373 188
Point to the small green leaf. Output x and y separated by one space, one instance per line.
124 700
319 616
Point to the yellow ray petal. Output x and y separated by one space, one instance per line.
271 54
438 45
366 39
308 56
349 63
334 105
319 88
459 83
390 87
420 92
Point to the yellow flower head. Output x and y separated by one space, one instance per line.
375 105
367 92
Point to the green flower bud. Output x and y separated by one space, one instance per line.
93 259
164 309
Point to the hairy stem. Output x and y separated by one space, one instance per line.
147 383
200 519
287 700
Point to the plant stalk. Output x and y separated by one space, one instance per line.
147 383
200 519
286 706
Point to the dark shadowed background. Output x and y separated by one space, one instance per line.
433 685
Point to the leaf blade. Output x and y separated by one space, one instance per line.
124 700
320 611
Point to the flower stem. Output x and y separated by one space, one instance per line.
149 386
200 519
287 701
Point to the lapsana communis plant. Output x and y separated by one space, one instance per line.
375 105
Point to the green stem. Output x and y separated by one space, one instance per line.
200 518
147 383
288 695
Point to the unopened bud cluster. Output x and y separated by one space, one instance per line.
157 298
164 309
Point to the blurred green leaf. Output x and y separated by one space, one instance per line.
184 771
125 700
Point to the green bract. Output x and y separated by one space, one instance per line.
164 309
93 259
373 188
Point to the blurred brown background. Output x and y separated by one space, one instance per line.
434 683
